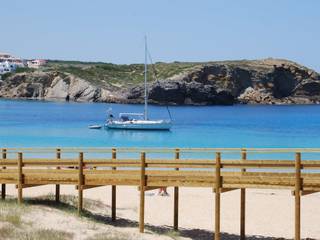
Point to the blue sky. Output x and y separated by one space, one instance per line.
178 30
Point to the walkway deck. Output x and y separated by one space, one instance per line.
220 169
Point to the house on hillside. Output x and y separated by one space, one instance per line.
17 62
36 63
6 67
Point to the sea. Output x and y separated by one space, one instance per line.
51 124
28 123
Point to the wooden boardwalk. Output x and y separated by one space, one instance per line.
148 169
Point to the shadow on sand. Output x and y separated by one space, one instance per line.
195 234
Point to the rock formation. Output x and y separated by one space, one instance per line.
268 81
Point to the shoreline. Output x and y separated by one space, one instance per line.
57 100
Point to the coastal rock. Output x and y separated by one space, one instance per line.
267 81
256 96
168 92
53 86
58 89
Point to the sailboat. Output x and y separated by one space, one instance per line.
138 121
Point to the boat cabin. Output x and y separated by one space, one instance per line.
124 117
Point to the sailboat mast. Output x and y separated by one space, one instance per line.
145 80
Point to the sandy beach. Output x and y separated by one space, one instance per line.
269 213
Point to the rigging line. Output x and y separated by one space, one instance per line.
169 113
155 76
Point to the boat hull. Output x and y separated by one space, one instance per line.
140 125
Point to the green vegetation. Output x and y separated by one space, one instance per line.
11 212
67 203
15 223
42 234
47 234
102 74
24 69
12 225
173 234
18 70
6 75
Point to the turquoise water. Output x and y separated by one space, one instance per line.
52 124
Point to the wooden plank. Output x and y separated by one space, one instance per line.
217 196
176 197
224 190
80 183
276 164
184 166
50 162
58 156
201 174
142 186
3 185
29 185
262 181
273 164
135 164
165 183
7 162
47 175
205 174
304 192
41 170
85 187
281 183
168 162
113 189
113 176
51 182
247 178
20 177
310 164
297 235
183 177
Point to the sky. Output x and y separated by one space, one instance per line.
177 30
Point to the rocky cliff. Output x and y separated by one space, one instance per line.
269 81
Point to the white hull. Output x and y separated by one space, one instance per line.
140 125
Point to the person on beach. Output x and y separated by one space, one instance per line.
163 191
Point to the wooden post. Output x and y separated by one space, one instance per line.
3 186
142 189
243 201
297 197
80 183
113 189
58 156
176 198
20 177
217 196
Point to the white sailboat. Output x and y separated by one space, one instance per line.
138 121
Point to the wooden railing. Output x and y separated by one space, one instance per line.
28 168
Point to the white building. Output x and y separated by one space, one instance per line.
18 62
6 67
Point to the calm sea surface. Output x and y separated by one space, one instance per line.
40 124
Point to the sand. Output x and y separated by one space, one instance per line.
269 213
